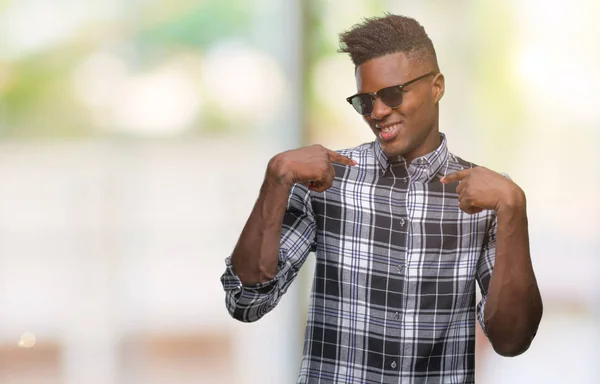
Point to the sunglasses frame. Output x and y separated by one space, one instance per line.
375 95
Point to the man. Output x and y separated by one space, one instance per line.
402 230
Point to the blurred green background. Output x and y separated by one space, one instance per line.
134 136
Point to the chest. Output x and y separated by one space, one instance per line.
369 223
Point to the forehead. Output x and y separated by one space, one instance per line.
385 71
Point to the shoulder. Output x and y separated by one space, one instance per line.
459 162
362 148
456 163
360 153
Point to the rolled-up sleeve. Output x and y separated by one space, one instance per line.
485 267
249 303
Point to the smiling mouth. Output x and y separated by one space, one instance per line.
388 132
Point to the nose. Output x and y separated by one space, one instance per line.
380 110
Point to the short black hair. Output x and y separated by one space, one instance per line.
380 36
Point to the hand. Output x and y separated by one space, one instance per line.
311 166
481 188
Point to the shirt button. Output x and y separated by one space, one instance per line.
402 222
403 179
400 268
397 316
394 365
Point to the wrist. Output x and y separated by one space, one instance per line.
277 173
513 201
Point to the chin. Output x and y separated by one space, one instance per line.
394 149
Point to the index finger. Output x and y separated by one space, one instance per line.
456 176
339 158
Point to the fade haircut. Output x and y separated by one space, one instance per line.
380 36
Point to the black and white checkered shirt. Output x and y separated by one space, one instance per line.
393 297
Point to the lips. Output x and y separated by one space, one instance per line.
388 132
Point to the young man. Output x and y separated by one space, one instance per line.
402 230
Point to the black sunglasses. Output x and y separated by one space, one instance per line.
391 96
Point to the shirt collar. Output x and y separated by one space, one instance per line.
422 168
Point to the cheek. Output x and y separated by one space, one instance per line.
416 109
411 110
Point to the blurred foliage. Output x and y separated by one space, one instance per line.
319 44
37 100
197 26
36 93
498 105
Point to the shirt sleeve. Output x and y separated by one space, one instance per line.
485 266
249 303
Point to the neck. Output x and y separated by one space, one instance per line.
431 143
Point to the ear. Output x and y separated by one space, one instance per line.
438 87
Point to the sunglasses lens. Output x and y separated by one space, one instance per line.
363 104
391 96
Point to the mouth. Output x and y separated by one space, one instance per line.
388 132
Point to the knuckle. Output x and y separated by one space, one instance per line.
316 148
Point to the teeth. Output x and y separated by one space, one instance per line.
390 128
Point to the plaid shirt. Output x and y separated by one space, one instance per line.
393 297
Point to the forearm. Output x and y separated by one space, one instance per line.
255 256
514 307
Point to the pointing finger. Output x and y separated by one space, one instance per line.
339 158
456 176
